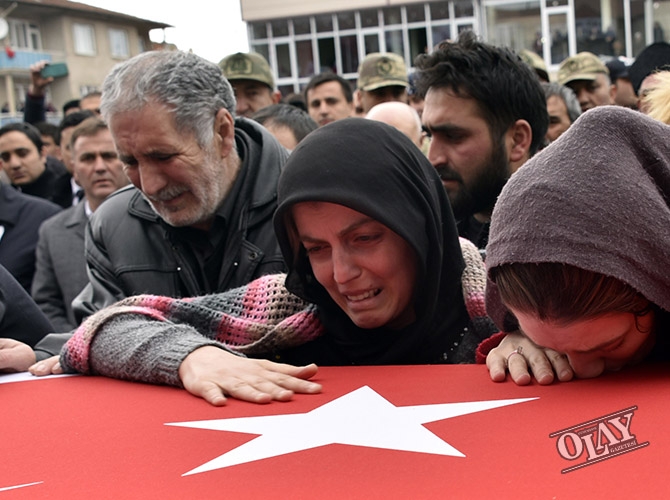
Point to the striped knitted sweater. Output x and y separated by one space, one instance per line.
146 337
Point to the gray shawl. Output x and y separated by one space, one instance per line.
597 199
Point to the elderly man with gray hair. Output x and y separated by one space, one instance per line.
563 108
198 218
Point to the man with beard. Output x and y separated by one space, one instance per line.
487 115
198 218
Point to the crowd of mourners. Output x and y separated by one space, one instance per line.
188 225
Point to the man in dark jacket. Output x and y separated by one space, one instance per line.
20 218
199 217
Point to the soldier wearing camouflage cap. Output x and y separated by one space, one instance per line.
381 78
589 79
536 63
252 80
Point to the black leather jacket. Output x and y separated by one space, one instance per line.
131 251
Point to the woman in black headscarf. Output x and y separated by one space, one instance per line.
579 251
374 170
372 250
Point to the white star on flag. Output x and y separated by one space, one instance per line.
359 418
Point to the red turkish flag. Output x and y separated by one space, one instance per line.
91 437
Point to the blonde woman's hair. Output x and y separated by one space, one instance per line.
658 98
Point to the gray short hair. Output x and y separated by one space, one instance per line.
194 88
567 95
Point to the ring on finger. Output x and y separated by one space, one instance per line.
518 350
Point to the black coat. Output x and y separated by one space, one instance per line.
20 318
20 218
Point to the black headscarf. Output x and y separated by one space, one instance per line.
372 168
598 198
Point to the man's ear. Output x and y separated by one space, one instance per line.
357 99
224 132
519 137
276 97
613 90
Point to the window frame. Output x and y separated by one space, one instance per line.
123 38
78 30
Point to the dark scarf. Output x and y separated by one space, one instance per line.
374 169
597 199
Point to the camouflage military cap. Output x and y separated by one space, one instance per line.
535 62
382 70
583 66
250 66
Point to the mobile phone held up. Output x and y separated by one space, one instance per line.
56 70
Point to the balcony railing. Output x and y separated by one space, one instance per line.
22 59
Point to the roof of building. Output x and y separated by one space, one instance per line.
81 8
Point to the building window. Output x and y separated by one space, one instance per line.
392 15
24 35
84 39
279 27
302 26
303 49
661 26
558 27
327 54
440 33
465 8
416 13
263 49
118 43
298 48
349 53
371 43
515 25
439 10
283 52
369 18
600 27
554 29
324 23
418 42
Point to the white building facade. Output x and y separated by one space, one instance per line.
302 38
